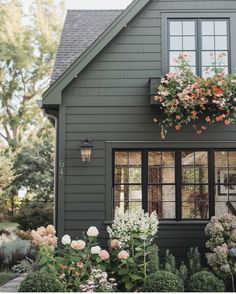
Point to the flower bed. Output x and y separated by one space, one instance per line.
82 265
188 99
130 262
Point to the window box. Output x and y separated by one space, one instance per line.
153 84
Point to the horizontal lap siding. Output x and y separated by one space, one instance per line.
109 102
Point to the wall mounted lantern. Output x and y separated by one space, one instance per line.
86 150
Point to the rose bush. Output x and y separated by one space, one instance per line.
187 99
221 232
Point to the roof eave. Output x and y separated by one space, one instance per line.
53 95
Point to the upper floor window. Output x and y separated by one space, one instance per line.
205 40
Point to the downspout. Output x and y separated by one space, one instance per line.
52 115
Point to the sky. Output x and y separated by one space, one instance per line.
91 4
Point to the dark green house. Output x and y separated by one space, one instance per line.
107 62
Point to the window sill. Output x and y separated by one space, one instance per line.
107 223
173 222
184 222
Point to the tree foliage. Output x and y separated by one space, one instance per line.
7 173
34 165
28 43
27 49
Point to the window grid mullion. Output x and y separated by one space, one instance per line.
178 184
227 183
145 172
211 185
199 46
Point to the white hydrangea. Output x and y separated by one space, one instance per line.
92 232
96 250
133 222
66 240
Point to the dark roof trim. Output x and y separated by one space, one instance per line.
53 95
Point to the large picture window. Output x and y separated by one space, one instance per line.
205 40
177 184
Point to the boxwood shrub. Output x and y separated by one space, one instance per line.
163 281
41 282
205 281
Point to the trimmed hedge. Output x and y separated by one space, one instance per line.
205 281
41 282
163 281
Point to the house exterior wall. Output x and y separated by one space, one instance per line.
109 103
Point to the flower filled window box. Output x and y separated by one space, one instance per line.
187 99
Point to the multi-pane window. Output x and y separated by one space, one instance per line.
177 184
225 182
205 40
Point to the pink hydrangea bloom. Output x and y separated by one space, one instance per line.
123 254
114 243
78 245
104 255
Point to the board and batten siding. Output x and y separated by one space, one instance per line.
109 102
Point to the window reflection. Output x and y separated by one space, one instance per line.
194 188
214 47
161 183
225 182
182 38
128 174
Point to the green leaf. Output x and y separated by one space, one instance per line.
130 260
125 279
139 254
59 259
129 286
123 271
136 277
138 249
51 268
43 261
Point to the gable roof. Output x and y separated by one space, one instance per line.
81 29
53 95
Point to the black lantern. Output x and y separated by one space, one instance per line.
86 150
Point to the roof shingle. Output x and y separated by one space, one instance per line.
81 29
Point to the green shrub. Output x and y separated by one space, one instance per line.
163 281
194 259
169 264
183 272
41 282
13 250
205 282
24 266
154 261
33 215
